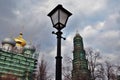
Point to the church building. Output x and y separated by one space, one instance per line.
80 63
17 59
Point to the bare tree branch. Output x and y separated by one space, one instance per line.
43 72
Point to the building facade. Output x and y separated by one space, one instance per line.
80 63
17 59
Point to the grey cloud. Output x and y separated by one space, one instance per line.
32 14
6 8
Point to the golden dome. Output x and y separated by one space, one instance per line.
20 41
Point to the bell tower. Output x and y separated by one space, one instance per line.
80 63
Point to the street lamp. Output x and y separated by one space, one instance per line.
59 17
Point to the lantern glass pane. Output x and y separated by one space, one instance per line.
54 18
63 17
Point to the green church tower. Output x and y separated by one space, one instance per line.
80 63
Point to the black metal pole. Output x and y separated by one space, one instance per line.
59 57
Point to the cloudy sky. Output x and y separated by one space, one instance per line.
97 21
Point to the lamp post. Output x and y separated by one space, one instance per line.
59 17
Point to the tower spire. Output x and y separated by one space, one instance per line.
77 33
